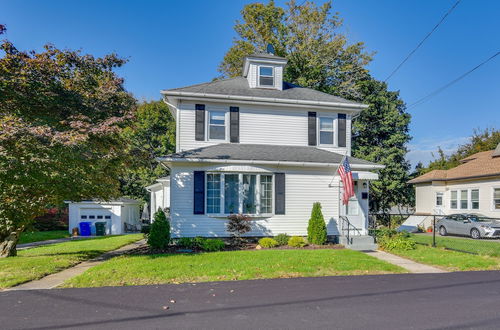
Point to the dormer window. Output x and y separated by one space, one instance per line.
266 76
216 125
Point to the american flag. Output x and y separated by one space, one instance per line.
346 177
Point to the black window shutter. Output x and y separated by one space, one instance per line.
342 129
199 192
311 128
234 126
279 193
200 122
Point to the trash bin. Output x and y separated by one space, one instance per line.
100 228
85 228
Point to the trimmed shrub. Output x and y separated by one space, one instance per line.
282 239
268 242
186 242
297 241
159 234
198 242
211 245
316 230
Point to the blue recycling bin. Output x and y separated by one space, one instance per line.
85 228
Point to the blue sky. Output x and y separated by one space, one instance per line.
176 43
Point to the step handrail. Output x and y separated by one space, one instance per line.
345 220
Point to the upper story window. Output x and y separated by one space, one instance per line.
216 125
266 76
326 130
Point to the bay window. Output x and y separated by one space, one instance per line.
229 193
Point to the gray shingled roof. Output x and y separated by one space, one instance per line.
262 152
267 55
239 87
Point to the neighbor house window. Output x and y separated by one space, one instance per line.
325 130
266 76
496 198
229 193
213 193
464 202
439 199
217 125
474 199
453 200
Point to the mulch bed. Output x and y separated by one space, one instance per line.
146 250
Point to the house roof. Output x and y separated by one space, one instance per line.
239 87
267 55
121 200
266 153
481 164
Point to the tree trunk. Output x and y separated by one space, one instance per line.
8 245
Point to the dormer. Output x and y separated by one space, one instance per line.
264 70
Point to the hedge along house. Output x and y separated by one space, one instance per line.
263 147
120 215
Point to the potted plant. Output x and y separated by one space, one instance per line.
429 229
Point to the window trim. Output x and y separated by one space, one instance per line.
493 209
436 199
471 205
273 76
456 200
222 212
334 129
207 125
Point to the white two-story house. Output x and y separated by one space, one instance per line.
260 146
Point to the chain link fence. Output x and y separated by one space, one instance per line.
466 233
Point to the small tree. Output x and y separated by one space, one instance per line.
159 235
316 230
238 225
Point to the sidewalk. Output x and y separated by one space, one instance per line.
411 266
54 280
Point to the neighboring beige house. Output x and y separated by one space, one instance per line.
472 187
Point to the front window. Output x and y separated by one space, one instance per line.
217 125
266 76
496 198
464 202
325 130
474 198
453 199
439 199
229 193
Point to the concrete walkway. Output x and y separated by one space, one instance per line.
411 266
55 280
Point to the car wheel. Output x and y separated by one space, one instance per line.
475 234
442 231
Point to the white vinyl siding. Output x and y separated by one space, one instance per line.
258 125
304 186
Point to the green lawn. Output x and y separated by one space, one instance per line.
37 262
228 266
483 246
450 260
36 236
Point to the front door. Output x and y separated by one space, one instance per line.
354 210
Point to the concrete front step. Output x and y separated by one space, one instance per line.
362 242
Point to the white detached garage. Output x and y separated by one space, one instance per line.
118 214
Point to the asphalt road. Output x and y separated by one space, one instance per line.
465 300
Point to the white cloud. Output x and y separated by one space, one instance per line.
423 150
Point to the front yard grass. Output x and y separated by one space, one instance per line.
482 247
37 262
449 260
37 236
228 266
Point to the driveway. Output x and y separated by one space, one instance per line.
417 301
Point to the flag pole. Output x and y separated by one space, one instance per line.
337 170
